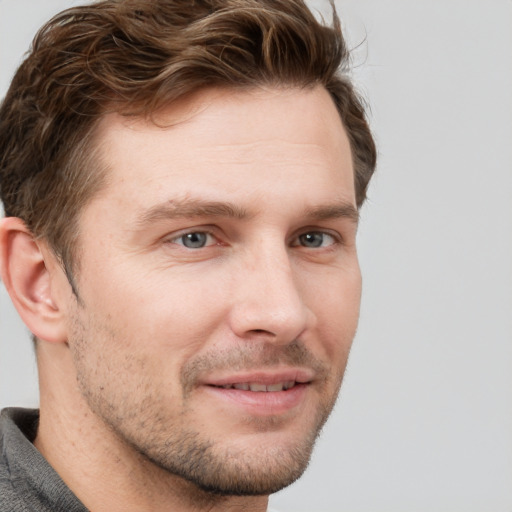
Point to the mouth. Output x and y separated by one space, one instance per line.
262 393
264 381
259 387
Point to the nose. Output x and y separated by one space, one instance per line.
268 302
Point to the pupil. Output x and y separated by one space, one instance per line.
194 240
312 239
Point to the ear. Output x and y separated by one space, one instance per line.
28 271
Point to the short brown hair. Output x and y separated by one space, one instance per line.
135 57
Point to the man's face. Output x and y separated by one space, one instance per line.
219 285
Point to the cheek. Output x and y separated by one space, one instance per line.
166 314
337 307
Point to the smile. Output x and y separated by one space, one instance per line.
259 387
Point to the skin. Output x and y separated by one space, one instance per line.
221 250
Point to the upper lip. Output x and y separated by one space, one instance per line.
266 377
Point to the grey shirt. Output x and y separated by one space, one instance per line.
27 482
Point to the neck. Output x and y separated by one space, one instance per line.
105 473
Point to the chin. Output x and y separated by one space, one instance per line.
253 473
260 466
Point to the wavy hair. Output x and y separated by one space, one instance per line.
135 57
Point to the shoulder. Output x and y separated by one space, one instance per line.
11 486
10 499
27 482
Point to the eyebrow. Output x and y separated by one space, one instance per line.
193 208
190 208
334 211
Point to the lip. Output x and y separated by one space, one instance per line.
261 403
267 377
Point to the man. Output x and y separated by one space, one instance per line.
181 182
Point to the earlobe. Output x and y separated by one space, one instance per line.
26 272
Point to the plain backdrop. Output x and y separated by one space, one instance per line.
424 423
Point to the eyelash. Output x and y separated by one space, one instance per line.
190 233
335 239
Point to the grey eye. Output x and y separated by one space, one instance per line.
194 240
314 239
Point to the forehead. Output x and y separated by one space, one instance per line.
227 140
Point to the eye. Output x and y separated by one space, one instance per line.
315 239
194 240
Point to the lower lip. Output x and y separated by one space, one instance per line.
262 403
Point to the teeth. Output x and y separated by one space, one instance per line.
259 388
275 387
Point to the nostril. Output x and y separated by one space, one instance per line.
260 331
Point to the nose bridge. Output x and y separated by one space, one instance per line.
269 300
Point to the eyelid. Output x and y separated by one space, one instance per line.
336 236
173 237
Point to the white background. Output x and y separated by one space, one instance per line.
425 417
